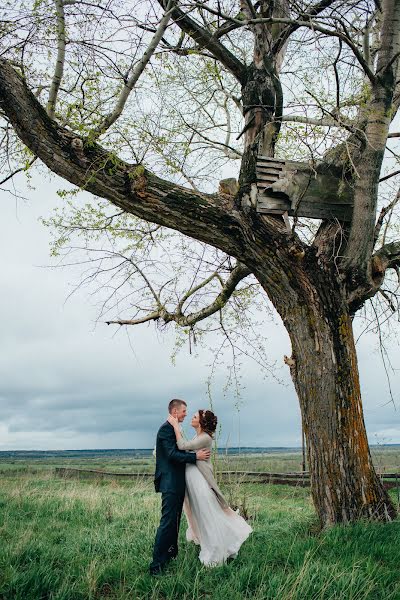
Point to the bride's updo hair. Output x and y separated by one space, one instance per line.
208 421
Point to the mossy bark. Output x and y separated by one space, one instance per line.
344 484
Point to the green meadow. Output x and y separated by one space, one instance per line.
70 539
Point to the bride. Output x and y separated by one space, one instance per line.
211 522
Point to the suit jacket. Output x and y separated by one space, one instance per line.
170 462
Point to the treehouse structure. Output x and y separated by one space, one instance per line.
301 190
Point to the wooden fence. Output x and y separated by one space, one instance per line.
390 480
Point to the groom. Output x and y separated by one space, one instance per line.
170 481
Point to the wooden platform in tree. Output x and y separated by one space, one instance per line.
298 189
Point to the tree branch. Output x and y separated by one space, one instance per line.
239 272
390 255
390 45
229 151
309 24
130 84
385 210
58 72
205 39
191 291
360 244
389 176
330 122
204 217
11 175
366 46
311 11
153 316
387 257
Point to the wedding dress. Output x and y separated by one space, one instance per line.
212 524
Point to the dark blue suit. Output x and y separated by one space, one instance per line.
169 479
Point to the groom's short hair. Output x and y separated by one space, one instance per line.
175 403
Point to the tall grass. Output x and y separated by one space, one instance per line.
72 540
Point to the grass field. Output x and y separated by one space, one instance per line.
386 459
76 539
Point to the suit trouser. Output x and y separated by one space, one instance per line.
166 542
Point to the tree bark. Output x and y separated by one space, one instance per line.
323 366
324 370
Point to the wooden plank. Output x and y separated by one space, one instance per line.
268 170
291 474
264 159
323 206
388 485
293 479
292 482
314 195
267 194
273 211
275 204
278 207
265 182
72 472
268 176
295 475
263 164
323 212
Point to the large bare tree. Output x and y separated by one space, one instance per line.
100 92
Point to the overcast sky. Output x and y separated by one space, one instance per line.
69 383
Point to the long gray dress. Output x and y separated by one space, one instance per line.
218 529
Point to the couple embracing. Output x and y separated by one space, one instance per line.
185 479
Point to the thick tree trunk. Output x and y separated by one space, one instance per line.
324 369
313 305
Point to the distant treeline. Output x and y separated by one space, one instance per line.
126 452
144 452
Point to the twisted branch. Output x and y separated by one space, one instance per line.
239 272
